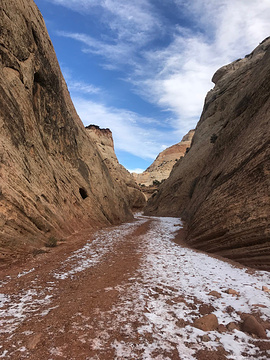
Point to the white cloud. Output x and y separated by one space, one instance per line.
131 21
176 76
128 128
81 87
78 86
114 52
137 171
186 66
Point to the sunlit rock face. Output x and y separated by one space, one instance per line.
104 142
161 168
222 186
52 177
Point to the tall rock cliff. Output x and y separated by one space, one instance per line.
52 177
221 187
104 141
161 168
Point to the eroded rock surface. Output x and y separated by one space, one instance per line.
221 187
161 168
104 141
52 177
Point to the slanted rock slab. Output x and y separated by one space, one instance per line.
253 327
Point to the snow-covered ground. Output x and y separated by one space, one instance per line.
16 308
151 300
158 303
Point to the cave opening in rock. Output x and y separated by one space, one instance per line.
83 193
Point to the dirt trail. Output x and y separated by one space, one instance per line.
129 292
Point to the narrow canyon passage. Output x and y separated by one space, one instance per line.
131 292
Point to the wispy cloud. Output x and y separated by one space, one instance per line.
128 128
175 77
76 86
174 74
226 31
130 21
116 53
82 87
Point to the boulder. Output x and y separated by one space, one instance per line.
206 323
232 292
253 327
233 326
215 294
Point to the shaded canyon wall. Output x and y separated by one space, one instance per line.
52 177
221 188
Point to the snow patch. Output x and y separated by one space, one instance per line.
158 321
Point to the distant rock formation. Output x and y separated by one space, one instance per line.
104 141
53 180
221 188
161 168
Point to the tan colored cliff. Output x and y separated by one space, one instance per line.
104 142
161 168
221 188
53 180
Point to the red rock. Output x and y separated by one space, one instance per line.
206 323
265 288
232 292
205 309
222 328
103 139
53 179
161 168
215 294
33 341
233 326
252 326
205 338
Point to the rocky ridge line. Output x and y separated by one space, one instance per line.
104 141
161 168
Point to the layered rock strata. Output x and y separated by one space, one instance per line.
221 187
53 180
161 168
104 142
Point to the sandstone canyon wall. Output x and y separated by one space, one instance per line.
104 142
161 168
53 179
221 187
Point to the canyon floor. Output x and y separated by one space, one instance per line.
130 292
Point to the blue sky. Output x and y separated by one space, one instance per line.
143 67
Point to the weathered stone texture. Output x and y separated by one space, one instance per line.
104 141
221 188
161 168
52 178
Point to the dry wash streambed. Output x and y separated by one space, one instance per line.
131 292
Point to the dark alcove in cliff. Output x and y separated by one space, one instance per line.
83 193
